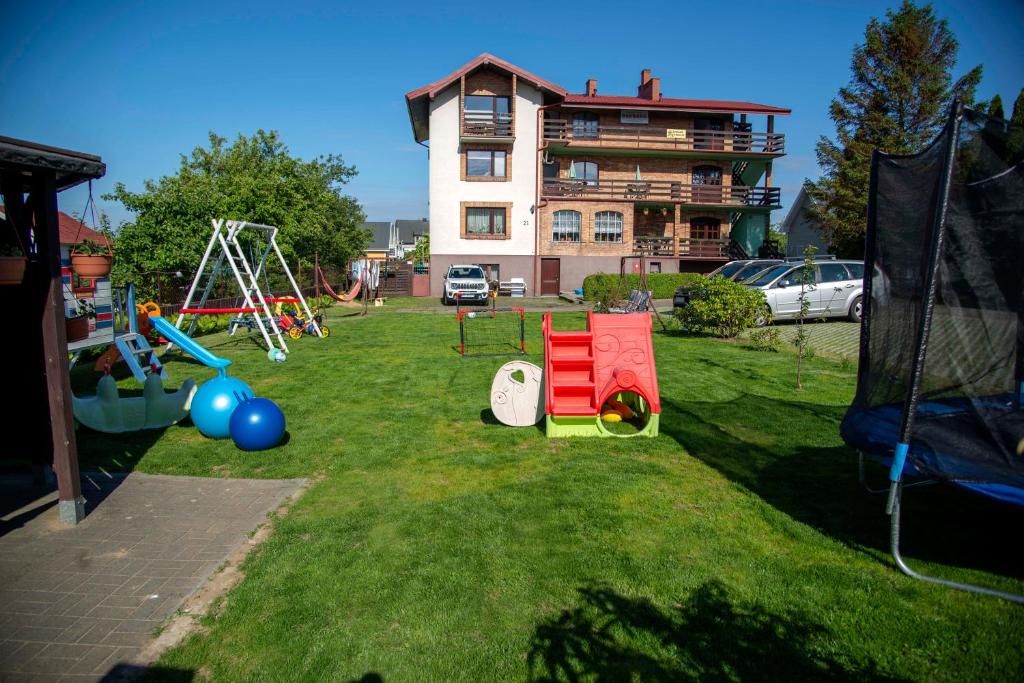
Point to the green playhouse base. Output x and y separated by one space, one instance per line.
558 426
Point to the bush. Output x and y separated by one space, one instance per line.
601 287
721 307
766 339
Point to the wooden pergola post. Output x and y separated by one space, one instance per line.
40 354
71 505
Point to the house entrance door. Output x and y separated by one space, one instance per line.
550 276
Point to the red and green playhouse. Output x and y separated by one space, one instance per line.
610 361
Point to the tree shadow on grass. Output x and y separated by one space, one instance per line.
707 637
819 486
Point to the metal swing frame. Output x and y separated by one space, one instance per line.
229 250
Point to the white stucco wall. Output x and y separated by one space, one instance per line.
447 190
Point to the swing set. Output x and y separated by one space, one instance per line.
227 251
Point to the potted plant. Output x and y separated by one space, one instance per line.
91 260
12 264
78 325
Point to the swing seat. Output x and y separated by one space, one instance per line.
639 301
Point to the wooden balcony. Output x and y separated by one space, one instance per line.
731 197
487 127
683 247
684 142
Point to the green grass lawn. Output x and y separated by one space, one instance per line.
440 545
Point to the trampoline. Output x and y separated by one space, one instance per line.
941 375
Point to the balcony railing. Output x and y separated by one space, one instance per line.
693 247
684 247
486 124
671 139
654 246
732 196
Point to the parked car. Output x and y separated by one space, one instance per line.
468 282
836 289
733 270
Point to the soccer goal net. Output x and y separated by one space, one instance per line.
492 332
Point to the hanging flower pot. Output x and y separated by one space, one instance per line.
91 260
77 328
12 269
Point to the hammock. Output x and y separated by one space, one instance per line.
352 293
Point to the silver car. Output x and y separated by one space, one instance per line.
836 289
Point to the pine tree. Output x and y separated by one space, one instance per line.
897 99
1015 138
995 107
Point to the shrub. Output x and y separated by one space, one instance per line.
721 307
766 339
601 287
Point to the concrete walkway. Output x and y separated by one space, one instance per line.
79 602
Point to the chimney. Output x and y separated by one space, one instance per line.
591 87
650 88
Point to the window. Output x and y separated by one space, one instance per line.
485 163
465 272
491 271
793 278
565 226
707 184
485 221
584 126
705 134
487 114
705 228
833 272
655 267
608 226
585 171
856 270
766 277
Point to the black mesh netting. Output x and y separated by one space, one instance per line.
961 413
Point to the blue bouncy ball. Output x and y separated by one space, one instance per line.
257 424
214 403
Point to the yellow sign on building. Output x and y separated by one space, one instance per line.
676 133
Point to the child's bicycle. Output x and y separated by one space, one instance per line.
297 326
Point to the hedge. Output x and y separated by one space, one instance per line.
664 285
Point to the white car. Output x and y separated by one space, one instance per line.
836 290
467 282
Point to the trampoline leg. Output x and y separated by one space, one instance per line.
895 492
863 477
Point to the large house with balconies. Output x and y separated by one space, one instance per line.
529 180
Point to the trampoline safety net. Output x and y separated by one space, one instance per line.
942 339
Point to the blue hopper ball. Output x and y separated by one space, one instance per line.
214 402
257 424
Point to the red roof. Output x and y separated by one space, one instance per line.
432 89
672 103
69 230
73 232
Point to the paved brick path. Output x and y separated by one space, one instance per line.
77 601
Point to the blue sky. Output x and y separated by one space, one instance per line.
141 82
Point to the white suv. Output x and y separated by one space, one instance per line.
835 291
468 282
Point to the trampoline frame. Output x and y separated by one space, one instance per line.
896 485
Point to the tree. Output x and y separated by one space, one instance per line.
899 93
995 107
255 179
420 254
801 341
1015 138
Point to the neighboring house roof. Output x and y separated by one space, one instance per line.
619 101
418 100
71 230
408 231
800 229
380 232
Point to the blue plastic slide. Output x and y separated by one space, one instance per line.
187 344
